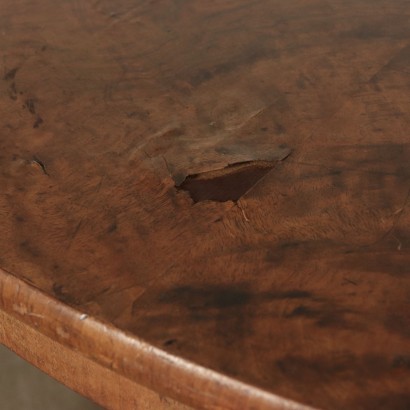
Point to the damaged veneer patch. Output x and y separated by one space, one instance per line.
230 182
226 184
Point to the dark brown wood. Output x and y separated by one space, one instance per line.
138 228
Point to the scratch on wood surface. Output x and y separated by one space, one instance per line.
75 233
36 161
250 117
352 282
23 310
243 211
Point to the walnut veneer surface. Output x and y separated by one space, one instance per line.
211 198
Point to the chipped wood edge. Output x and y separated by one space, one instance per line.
128 356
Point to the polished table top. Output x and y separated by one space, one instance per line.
211 198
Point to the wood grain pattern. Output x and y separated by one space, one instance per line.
103 385
297 291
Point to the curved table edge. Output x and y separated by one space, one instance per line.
138 361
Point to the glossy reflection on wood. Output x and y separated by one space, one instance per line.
295 287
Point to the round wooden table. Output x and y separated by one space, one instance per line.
206 203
